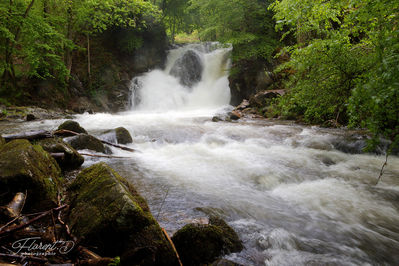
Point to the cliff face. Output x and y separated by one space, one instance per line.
250 77
111 69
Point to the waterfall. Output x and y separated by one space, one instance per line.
195 76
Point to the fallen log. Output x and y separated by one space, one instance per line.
12 229
33 135
103 156
36 135
68 133
62 155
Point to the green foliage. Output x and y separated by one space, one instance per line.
247 24
345 63
37 37
116 262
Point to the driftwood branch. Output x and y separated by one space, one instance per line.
62 155
173 245
33 220
104 156
33 135
43 134
65 132
382 168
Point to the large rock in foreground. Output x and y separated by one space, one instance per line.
24 166
199 244
72 126
71 160
107 212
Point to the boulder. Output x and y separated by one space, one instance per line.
24 166
2 141
216 119
259 99
72 126
84 141
71 160
199 244
30 117
188 68
123 136
243 105
234 115
118 135
108 213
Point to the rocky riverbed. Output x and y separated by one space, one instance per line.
92 216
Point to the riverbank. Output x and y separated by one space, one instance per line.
100 217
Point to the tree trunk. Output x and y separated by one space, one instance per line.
88 60
9 72
68 51
173 29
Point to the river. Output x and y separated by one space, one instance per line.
288 190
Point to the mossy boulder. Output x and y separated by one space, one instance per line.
72 126
2 141
123 136
84 141
107 212
24 166
71 160
118 135
199 244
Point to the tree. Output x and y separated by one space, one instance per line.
345 62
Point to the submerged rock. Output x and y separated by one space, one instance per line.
216 119
199 244
84 141
107 212
188 68
72 126
24 166
71 160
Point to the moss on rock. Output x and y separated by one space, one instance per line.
123 136
72 126
24 166
84 141
107 212
2 141
71 160
199 244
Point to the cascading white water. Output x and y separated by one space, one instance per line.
291 194
160 90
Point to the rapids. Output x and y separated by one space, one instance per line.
291 195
